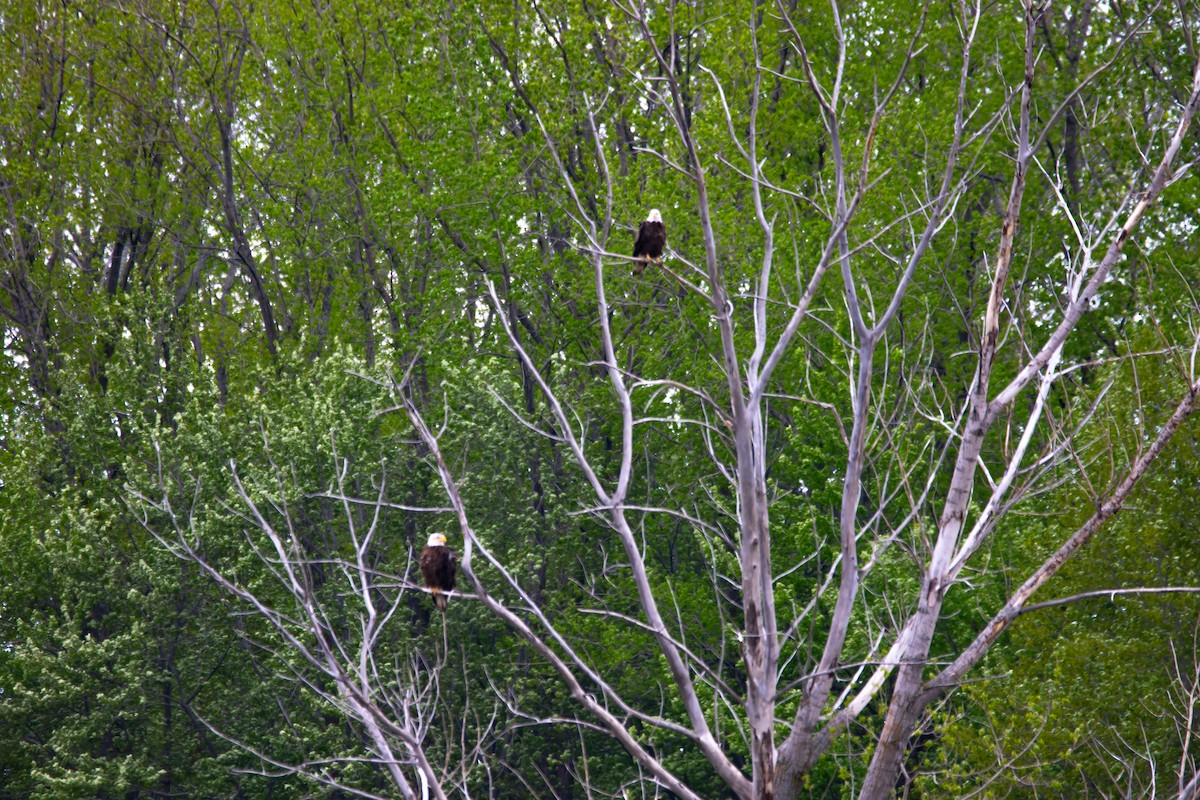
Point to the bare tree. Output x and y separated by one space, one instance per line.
333 649
898 665
940 507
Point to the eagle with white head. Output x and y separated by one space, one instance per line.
649 243
439 566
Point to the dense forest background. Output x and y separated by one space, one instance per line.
286 286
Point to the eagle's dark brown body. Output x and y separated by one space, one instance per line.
439 566
648 246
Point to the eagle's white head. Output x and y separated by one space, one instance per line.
436 540
654 216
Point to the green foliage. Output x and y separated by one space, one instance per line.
226 228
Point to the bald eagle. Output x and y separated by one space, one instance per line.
439 566
648 246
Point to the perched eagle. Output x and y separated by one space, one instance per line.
438 566
648 246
